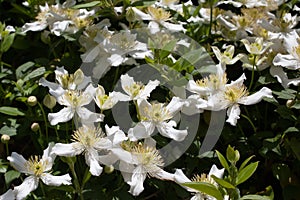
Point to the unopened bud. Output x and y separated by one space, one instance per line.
130 15
109 169
49 101
32 101
78 77
35 127
290 103
5 138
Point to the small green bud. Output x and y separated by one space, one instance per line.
5 138
232 155
109 169
32 101
35 127
49 101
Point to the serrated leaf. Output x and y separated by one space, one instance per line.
246 173
11 111
222 182
35 73
87 5
222 160
206 188
11 175
255 197
22 69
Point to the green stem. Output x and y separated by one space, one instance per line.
7 150
45 120
210 17
43 190
251 123
252 74
76 181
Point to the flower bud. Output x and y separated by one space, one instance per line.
5 138
290 103
109 169
35 127
32 101
49 101
78 77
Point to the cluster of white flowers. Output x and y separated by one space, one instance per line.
135 152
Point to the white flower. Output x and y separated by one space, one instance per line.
258 47
9 195
88 141
291 60
282 77
66 81
226 58
74 100
157 115
137 90
37 169
180 177
144 161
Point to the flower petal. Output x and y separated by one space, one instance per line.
67 150
92 161
64 115
49 179
8 195
217 172
29 184
233 114
137 181
18 162
256 97
167 130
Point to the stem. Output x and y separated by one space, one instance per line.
252 74
42 188
76 181
251 123
7 150
210 17
45 120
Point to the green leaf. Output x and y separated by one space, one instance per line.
222 182
255 197
167 49
11 175
11 131
35 73
206 188
87 5
11 111
286 94
23 68
246 173
245 163
7 42
222 160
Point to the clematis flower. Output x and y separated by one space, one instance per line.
226 58
88 141
66 81
74 100
258 47
136 90
283 78
157 17
157 115
180 177
37 169
291 60
9 195
145 160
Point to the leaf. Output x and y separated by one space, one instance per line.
222 160
246 173
87 5
11 111
245 163
167 49
255 197
7 42
286 94
35 73
11 131
11 175
222 182
206 188
23 68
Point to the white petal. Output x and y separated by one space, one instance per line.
256 97
140 131
18 162
55 89
167 130
137 181
48 157
49 179
287 61
145 93
233 114
115 134
34 26
29 184
8 195
180 177
67 150
282 77
175 105
238 82
64 115
217 172
163 175
126 82
92 161
88 116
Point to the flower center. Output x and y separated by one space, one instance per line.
203 178
159 14
35 166
234 93
135 88
157 113
87 136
